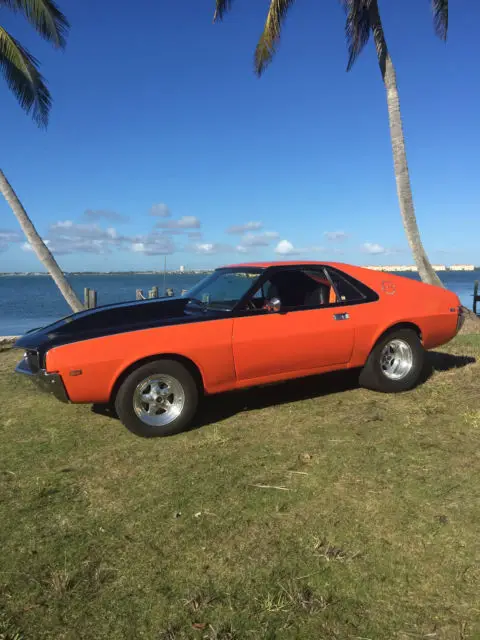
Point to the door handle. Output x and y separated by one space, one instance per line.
341 316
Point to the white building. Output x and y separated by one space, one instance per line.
393 267
410 267
462 267
182 268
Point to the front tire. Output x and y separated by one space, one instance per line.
157 399
395 364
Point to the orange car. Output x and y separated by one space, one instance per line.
243 325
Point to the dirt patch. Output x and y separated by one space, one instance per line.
471 324
6 342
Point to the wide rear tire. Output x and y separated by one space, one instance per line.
395 364
157 399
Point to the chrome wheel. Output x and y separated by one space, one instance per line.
158 400
396 359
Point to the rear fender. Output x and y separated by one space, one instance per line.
367 337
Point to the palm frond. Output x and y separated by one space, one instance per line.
20 70
357 28
440 18
267 45
221 8
45 17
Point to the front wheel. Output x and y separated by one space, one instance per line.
395 364
157 399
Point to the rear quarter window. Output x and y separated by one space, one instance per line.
350 290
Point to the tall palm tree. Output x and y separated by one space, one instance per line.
363 19
20 70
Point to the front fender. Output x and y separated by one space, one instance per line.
90 368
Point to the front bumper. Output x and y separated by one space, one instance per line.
48 382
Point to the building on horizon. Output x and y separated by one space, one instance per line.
462 267
413 268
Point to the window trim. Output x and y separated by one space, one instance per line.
370 295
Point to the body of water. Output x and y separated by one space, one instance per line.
27 302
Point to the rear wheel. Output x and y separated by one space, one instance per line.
157 399
395 364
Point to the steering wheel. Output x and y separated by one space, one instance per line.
251 306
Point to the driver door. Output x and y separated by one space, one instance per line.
276 344
269 345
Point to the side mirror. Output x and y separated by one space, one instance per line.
273 305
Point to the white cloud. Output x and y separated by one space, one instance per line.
186 222
153 244
62 224
259 239
26 246
206 247
285 248
8 237
98 214
66 237
335 236
241 249
67 231
161 210
209 248
68 228
173 232
243 228
373 248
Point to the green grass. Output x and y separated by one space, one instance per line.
375 533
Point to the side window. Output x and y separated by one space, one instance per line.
297 289
262 294
259 293
346 289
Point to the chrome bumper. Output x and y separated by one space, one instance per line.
48 382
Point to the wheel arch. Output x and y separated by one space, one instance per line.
399 325
187 363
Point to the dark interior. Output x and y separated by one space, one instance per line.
296 289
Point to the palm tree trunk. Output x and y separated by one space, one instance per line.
404 188
43 253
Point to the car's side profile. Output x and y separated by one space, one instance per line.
242 326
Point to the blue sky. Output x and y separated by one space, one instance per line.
157 110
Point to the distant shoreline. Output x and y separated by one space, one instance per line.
108 273
198 272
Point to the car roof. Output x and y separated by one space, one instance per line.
281 263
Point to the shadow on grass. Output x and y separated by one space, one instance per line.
226 405
446 361
223 406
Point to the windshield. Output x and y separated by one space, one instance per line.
223 289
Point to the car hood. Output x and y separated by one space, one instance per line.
114 318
